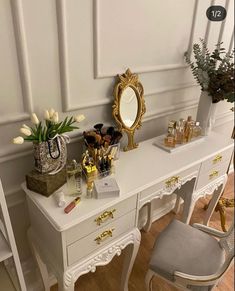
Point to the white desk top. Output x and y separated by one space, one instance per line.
134 171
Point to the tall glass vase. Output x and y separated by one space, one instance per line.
206 112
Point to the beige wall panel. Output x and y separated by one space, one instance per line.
10 93
123 40
42 43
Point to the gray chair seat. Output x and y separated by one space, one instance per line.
183 248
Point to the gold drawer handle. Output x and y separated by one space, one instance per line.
105 215
214 174
217 159
104 235
172 181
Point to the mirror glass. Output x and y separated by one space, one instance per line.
128 106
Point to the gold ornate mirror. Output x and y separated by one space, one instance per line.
129 106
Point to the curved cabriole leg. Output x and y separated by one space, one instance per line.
149 221
41 265
177 205
130 255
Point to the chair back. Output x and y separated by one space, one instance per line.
227 243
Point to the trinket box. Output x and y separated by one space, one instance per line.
105 188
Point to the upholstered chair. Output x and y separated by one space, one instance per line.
191 257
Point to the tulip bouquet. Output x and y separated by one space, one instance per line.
44 131
49 141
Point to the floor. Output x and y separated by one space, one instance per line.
5 281
107 278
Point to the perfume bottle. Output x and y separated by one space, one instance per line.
188 133
179 131
169 140
197 130
74 178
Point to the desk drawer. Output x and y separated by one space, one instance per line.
101 219
167 186
89 244
217 160
207 177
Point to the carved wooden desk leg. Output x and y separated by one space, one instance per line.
149 221
177 205
130 255
41 265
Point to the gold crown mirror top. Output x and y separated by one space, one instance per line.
129 106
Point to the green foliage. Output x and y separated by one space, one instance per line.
43 132
213 71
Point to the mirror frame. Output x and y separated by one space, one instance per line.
129 80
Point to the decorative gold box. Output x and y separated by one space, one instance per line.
45 184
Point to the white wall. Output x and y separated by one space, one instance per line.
66 54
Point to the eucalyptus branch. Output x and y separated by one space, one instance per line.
214 72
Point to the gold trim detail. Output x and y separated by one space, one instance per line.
172 181
104 216
217 159
104 235
129 80
213 174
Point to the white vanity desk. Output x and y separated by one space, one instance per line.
66 242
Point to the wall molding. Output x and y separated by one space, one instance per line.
166 111
22 53
208 26
63 54
231 45
13 117
105 101
147 69
223 22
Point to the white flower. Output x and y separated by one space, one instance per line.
25 126
51 113
25 131
34 119
18 140
55 117
46 115
79 118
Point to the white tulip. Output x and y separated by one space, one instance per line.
79 118
55 117
34 119
25 126
18 140
46 115
25 131
51 113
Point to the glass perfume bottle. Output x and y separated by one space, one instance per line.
74 178
169 140
179 129
188 133
197 130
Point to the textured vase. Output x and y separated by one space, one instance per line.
50 156
206 113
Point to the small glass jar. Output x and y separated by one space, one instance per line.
197 130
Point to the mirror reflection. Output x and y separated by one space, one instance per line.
128 107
